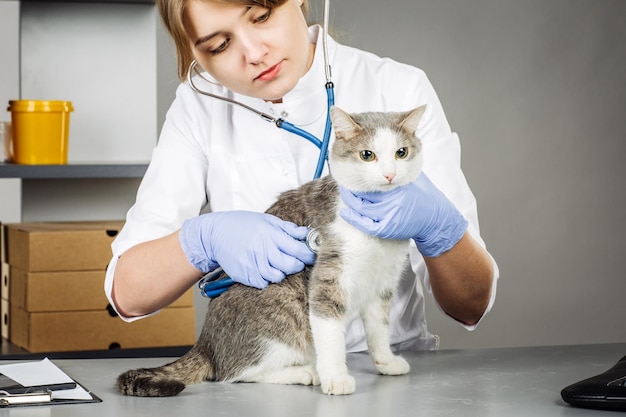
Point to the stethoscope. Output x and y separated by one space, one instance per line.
212 284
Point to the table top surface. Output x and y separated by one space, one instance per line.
482 382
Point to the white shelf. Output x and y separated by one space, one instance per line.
70 171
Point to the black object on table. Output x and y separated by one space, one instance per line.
606 391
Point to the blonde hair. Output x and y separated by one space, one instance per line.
172 15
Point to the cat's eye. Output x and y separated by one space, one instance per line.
367 155
402 153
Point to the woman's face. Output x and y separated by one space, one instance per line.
251 50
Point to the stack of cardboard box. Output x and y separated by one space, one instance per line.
53 297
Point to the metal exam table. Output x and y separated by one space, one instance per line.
482 382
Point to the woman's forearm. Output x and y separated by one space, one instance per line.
461 280
151 276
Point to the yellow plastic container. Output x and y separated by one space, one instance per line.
40 131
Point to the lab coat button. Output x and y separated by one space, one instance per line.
284 114
285 171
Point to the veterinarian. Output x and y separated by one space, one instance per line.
223 161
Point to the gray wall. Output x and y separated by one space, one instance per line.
536 90
56 50
113 87
10 211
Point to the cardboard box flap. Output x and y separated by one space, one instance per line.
65 291
61 246
110 226
96 330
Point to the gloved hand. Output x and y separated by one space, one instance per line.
252 248
418 211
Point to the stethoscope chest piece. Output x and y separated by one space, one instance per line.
314 240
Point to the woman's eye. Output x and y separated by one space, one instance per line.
402 153
264 17
221 47
367 155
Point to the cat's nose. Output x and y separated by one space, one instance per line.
390 177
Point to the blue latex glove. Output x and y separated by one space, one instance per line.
417 211
254 249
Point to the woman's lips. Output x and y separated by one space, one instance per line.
270 73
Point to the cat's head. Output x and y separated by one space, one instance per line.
375 151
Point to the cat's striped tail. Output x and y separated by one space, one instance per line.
166 380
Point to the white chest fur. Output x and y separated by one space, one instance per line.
371 265
370 269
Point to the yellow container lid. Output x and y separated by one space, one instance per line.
40 106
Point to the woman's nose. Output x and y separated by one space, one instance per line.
254 50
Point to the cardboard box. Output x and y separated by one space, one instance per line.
97 330
60 246
37 292
4 316
4 284
53 284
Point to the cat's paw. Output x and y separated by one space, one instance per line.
312 377
395 366
340 384
302 375
315 379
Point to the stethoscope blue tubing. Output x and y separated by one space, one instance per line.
211 286
322 145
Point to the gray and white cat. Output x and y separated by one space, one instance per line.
293 332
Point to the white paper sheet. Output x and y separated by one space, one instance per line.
43 372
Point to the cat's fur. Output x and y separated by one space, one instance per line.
293 332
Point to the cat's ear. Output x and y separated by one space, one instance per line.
412 119
344 125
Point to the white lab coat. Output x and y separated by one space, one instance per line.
214 156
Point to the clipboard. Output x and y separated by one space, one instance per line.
44 398
12 387
40 383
